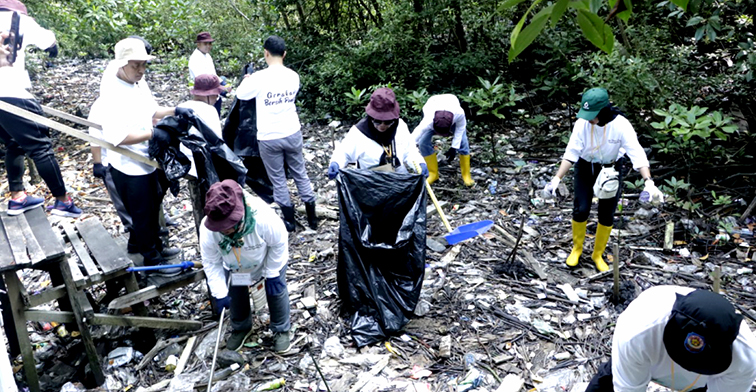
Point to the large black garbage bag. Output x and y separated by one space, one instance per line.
214 160
381 250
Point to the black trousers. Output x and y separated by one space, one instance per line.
139 195
115 197
602 381
585 176
25 137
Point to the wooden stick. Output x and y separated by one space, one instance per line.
717 279
70 117
185 356
669 236
75 133
615 267
748 210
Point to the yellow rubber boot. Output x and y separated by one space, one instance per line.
432 164
602 237
578 238
464 166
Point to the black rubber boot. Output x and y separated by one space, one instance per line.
312 218
288 218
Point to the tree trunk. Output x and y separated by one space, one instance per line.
377 11
459 29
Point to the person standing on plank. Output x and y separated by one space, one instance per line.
278 129
683 339
599 137
443 116
24 137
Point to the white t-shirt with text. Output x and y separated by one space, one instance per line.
276 89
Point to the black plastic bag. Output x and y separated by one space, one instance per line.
381 250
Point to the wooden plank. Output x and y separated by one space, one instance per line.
154 291
16 306
70 117
46 296
146 322
36 254
108 255
123 321
7 262
76 133
78 276
81 251
46 237
83 313
132 286
16 239
185 356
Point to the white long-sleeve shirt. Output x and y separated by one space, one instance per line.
639 355
449 103
201 64
275 89
15 79
265 250
366 152
605 144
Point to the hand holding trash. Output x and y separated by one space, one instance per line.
450 154
184 112
550 190
651 194
333 170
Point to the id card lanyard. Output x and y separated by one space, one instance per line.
686 389
240 277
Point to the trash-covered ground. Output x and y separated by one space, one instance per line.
489 320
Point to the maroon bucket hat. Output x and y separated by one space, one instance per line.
224 207
383 105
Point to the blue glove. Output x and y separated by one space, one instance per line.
333 170
184 112
274 286
224 302
424 170
98 170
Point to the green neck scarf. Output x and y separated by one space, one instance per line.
244 227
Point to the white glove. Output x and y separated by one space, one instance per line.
651 194
549 191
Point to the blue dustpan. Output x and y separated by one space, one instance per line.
469 230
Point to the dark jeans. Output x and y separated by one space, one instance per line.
116 199
585 176
140 199
25 137
602 381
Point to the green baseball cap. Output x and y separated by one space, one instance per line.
594 100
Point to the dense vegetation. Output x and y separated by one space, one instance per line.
683 75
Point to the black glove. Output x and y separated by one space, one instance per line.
52 51
160 137
450 154
98 170
184 112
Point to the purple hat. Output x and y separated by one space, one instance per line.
204 37
383 105
13 5
206 84
224 206
442 121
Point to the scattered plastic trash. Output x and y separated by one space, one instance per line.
271 385
170 363
492 187
419 372
122 356
333 347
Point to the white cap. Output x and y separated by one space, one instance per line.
130 49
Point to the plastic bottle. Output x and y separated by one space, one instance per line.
271 385
492 187
170 363
259 299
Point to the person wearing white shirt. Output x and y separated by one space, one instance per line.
242 241
201 63
278 129
599 139
204 95
443 116
680 338
380 141
127 113
24 137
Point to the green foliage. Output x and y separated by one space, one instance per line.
691 132
677 191
637 185
356 101
491 98
721 200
